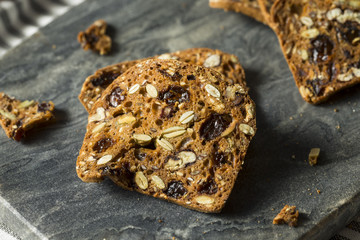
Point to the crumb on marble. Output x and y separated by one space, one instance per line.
288 215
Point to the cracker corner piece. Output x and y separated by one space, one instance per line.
248 7
95 38
17 117
288 215
181 135
321 43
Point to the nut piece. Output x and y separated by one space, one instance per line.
310 33
307 21
26 104
345 77
165 144
212 61
313 156
356 71
98 127
213 91
151 90
287 215
158 181
230 129
173 132
98 116
141 180
104 159
246 129
187 117
231 91
204 200
134 89
250 112
7 115
142 139
185 157
126 119
333 13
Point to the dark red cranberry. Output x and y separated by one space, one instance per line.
104 79
115 97
103 144
316 86
173 94
321 49
175 189
208 187
214 125
43 107
18 134
219 159
122 174
139 155
175 77
190 77
349 31
332 71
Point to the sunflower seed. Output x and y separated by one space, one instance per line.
141 180
104 159
186 117
142 139
158 181
310 33
204 200
212 91
134 89
126 119
165 144
212 61
151 90
26 104
98 127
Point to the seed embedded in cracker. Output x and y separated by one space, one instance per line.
313 156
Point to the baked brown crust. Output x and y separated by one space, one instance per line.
171 130
250 8
17 117
265 7
321 43
227 64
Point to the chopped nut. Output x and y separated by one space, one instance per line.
356 71
231 91
158 181
185 157
304 55
8 115
213 91
186 117
126 119
141 180
212 61
250 112
142 139
345 77
307 21
310 33
204 200
230 129
98 116
167 56
104 159
165 144
333 13
26 104
313 156
151 90
246 129
134 89
98 127
287 215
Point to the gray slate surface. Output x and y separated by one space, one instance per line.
38 178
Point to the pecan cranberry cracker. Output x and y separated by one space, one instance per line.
222 62
17 117
171 130
321 43
94 38
250 8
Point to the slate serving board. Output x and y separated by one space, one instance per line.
41 196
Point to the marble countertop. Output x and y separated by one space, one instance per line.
41 196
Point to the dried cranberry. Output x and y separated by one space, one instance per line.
175 189
139 155
122 174
18 134
350 31
104 79
347 54
175 77
214 125
322 48
115 97
219 159
190 77
91 38
174 93
168 112
103 144
43 107
331 71
316 86
208 187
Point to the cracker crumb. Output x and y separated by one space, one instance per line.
53 46
288 215
291 118
313 156
336 110
318 191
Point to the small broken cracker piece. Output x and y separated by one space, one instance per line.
94 38
288 215
313 156
17 117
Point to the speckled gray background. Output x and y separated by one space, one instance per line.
38 178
